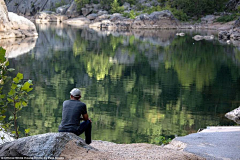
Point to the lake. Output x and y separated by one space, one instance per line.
138 85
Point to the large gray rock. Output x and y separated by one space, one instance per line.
102 12
48 16
234 115
102 17
208 19
72 11
79 21
92 16
4 19
62 10
86 11
126 6
162 19
224 35
232 5
237 23
43 145
14 26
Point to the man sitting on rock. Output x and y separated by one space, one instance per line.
72 111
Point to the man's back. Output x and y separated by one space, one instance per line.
72 110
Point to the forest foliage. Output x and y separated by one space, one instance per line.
13 97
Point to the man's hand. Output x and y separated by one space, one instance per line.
90 120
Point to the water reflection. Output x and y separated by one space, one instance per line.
18 46
137 85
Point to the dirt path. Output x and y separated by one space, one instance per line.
137 151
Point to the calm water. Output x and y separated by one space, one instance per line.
137 85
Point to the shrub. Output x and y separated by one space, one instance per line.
59 4
162 140
227 18
132 14
178 13
116 8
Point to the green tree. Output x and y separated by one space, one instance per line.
16 97
115 7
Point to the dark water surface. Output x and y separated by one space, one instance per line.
137 85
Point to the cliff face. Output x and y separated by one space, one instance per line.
4 19
30 8
14 26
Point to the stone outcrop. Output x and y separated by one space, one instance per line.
48 16
234 115
43 145
79 21
30 8
232 5
208 19
62 10
162 19
72 10
90 8
232 34
14 26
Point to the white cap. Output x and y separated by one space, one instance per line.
75 92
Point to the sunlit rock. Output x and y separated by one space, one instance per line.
14 26
80 21
44 145
162 19
234 115
30 7
62 10
72 11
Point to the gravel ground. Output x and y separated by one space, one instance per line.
136 151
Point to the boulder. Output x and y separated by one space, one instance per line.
102 12
234 115
232 5
4 19
92 16
72 10
224 35
62 10
43 145
14 26
46 16
126 6
102 17
162 19
116 17
95 25
80 21
237 23
86 11
208 19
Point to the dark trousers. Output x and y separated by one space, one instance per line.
86 127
